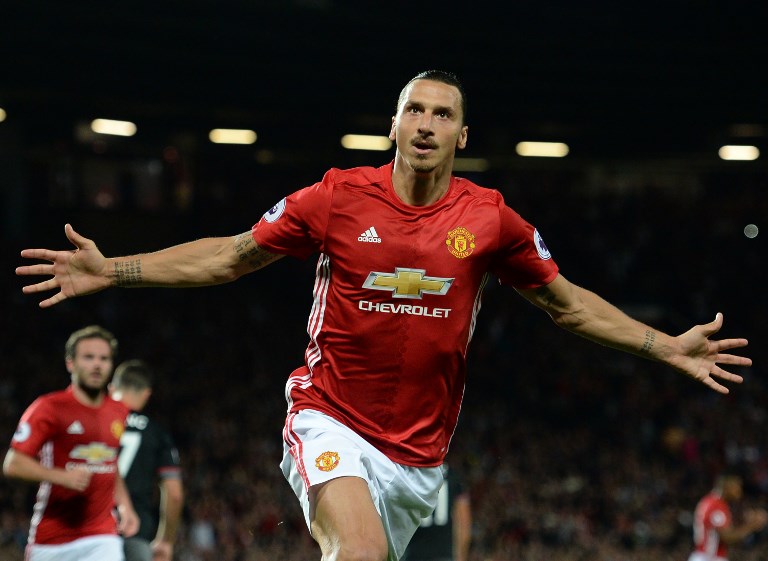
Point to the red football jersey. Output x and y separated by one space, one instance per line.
64 433
396 297
712 513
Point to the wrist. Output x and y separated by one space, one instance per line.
124 272
659 346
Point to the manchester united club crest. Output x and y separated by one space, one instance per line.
327 461
460 242
117 428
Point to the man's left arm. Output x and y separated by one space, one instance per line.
586 314
171 503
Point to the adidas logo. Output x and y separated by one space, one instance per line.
369 236
75 428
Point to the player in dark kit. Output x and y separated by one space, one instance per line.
405 251
148 457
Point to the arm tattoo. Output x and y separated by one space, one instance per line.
250 253
128 273
650 339
546 295
241 243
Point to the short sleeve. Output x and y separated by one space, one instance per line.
297 224
35 428
522 259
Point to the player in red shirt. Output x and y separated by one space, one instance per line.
69 441
713 526
405 250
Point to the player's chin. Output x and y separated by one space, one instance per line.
423 165
97 385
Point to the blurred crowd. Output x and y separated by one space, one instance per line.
570 451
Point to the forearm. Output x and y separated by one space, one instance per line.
171 503
586 314
204 262
21 466
735 534
597 320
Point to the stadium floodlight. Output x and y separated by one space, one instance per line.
232 136
736 152
3 114
366 142
542 149
113 127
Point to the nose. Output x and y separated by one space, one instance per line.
425 123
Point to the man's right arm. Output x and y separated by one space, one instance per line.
754 521
204 262
22 466
85 270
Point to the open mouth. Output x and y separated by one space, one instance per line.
424 146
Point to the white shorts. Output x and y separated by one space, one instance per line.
699 556
318 448
92 548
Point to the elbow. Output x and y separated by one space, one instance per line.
9 466
227 275
569 321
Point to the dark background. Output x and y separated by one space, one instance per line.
629 79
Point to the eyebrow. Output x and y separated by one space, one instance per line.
436 109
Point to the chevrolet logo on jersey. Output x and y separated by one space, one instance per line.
93 453
408 283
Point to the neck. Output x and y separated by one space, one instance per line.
418 188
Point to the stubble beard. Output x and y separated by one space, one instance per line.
92 392
421 164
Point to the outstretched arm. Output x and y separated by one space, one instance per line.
85 270
588 315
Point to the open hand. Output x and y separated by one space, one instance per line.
76 273
700 356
